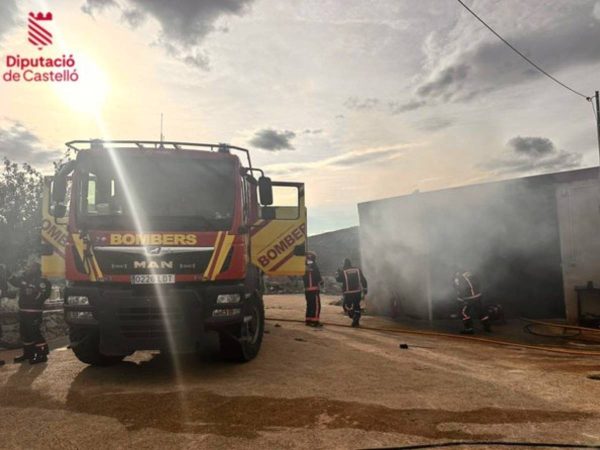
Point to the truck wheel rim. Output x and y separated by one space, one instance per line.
252 326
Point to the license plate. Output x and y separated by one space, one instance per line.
153 279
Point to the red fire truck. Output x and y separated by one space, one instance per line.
164 246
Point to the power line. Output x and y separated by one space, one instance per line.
588 98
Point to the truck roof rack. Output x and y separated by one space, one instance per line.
80 145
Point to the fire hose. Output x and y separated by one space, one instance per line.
577 330
453 336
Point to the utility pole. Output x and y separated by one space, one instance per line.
162 137
598 119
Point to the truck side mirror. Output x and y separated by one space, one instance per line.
300 250
58 210
59 189
265 191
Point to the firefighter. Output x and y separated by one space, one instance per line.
312 290
33 292
3 293
468 293
354 285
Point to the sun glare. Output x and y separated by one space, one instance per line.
89 92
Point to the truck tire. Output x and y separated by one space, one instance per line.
86 346
241 343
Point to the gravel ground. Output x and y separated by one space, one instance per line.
329 388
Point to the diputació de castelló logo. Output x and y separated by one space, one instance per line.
37 32
40 68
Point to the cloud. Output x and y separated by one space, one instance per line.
8 13
533 146
183 23
397 108
187 22
133 17
318 131
19 144
435 124
357 104
343 161
273 140
390 107
444 82
196 57
466 61
92 6
354 159
529 154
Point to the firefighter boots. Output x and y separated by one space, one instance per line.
38 358
28 353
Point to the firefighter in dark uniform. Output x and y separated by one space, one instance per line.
354 285
33 292
468 293
3 292
312 290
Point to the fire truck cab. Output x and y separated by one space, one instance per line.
164 245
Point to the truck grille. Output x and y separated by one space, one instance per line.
151 322
114 262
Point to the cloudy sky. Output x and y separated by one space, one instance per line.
358 99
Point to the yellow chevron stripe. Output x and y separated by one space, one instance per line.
227 243
96 265
214 255
80 250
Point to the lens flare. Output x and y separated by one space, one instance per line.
88 94
141 226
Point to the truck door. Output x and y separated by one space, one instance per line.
278 238
54 237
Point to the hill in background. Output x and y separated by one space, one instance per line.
333 247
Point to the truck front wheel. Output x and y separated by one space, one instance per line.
242 342
85 343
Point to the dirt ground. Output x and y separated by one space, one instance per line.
329 388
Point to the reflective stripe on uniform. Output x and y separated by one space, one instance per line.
318 306
311 286
464 314
348 283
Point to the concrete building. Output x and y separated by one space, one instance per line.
531 241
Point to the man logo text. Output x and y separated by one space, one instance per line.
153 265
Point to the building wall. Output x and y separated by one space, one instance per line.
579 218
511 234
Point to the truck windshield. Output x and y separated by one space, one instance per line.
169 192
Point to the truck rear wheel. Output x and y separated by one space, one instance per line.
242 342
86 346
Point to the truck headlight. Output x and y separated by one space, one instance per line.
228 298
80 316
226 312
78 300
